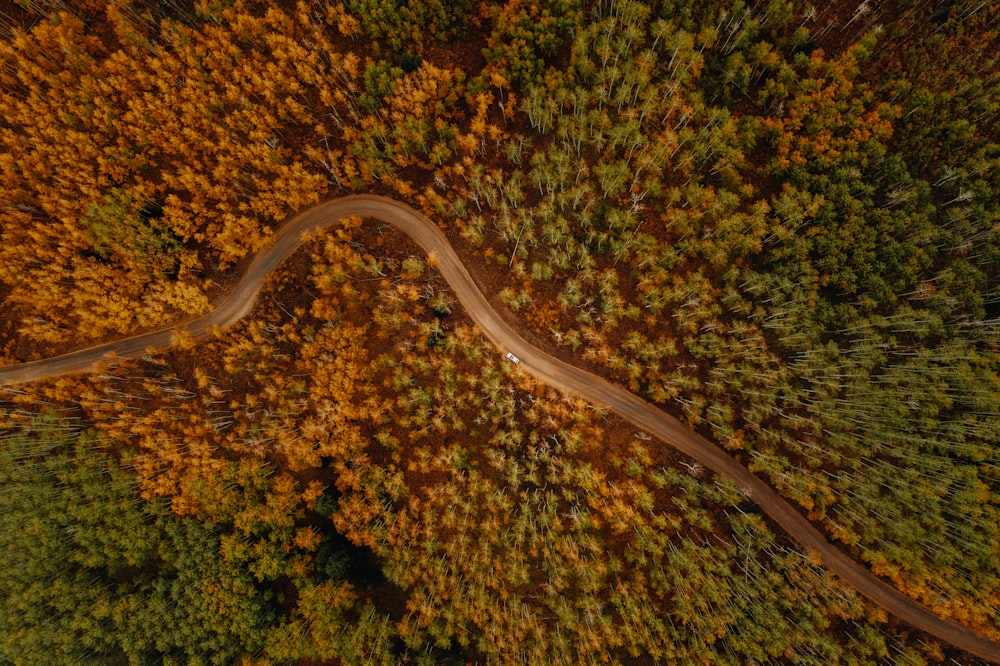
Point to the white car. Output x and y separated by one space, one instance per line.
512 358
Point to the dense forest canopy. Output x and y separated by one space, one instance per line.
778 220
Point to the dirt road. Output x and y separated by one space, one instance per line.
550 370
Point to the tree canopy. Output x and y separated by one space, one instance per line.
777 220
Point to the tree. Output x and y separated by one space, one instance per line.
97 573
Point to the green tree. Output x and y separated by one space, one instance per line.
129 233
94 573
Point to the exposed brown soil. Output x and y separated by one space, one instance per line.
839 23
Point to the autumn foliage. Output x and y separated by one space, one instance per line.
775 220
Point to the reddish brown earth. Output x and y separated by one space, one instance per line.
552 371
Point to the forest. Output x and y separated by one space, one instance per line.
777 220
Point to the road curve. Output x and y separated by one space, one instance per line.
548 369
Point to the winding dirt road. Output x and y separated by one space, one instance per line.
548 369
